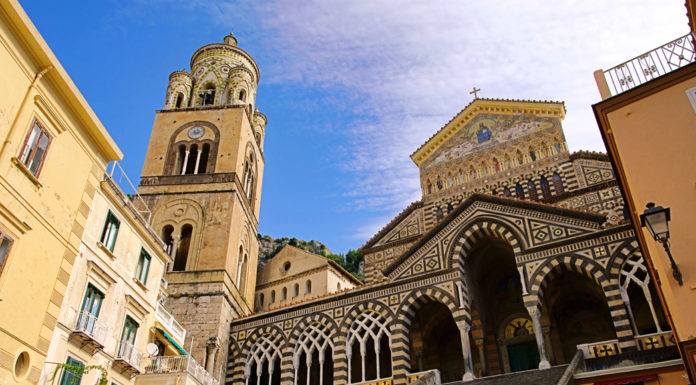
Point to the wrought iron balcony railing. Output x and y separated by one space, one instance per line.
128 353
646 67
90 325
178 364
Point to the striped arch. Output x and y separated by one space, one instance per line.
239 360
472 232
617 260
401 355
307 323
619 316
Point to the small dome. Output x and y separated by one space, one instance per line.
230 40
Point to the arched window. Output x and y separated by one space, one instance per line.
272 296
472 173
449 208
167 238
202 161
637 292
263 362
180 159
308 286
182 250
532 154
531 187
313 356
484 169
496 165
191 160
460 178
296 290
285 294
242 268
249 177
557 183
261 298
519 191
207 95
338 286
368 348
429 187
439 183
507 192
520 158
508 162
545 189
450 180
558 147
179 100
242 95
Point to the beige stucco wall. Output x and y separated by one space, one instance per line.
45 215
656 140
303 267
113 274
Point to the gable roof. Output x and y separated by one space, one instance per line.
482 105
390 226
291 252
478 197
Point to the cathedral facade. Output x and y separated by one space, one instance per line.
516 259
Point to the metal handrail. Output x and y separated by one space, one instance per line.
143 209
652 64
178 364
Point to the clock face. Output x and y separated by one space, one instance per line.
196 132
519 327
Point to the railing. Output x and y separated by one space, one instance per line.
655 340
89 324
170 323
119 176
600 349
128 352
178 364
650 65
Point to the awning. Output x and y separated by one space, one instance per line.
170 339
628 380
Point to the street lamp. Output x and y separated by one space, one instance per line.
656 219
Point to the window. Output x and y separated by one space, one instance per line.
285 294
557 183
308 287
272 296
5 244
545 189
179 100
143 266
182 248
296 291
70 377
506 192
242 95
35 147
89 311
207 95
130 330
519 191
108 237
531 187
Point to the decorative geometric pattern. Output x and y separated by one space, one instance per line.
369 326
263 355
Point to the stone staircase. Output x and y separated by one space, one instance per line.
535 377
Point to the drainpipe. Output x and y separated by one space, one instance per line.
37 77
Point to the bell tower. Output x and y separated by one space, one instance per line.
201 180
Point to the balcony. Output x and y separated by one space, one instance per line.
89 332
174 370
648 66
128 359
170 323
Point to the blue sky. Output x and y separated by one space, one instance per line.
351 88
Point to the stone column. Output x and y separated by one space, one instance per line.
482 355
211 350
539 334
464 328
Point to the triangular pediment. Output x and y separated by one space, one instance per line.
526 225
484 124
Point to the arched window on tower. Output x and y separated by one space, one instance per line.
179 100
180 159
242 268
520 157
531 187
248 182
191 160
242 95
182 250
207 95
545 189
167 238
202 160
532 154
557 183
519 191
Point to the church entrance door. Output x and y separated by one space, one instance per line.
523 356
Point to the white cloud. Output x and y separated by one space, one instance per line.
410 66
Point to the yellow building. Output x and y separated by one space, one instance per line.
294 275
647 120
46 127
